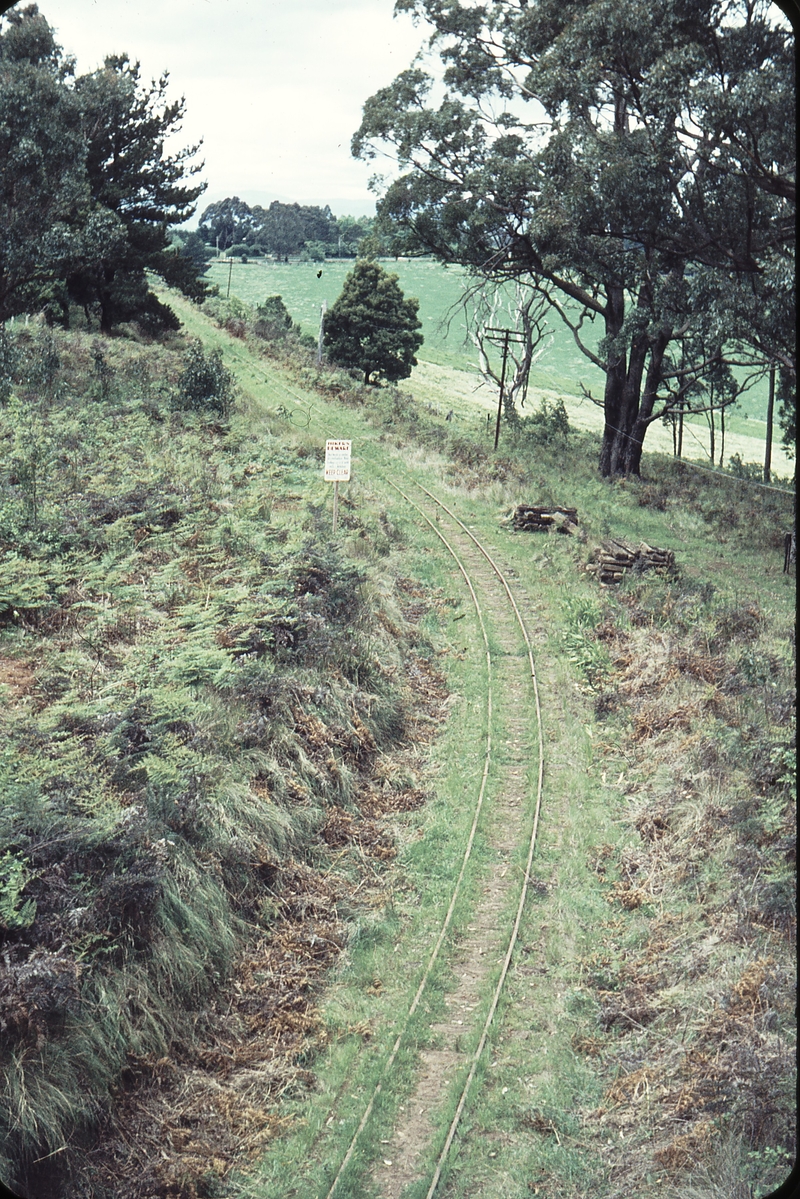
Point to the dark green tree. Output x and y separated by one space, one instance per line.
286 228
282 229
371 327
192 246
226 222
125 125
350 232
182 266
48 224
319 224
649 191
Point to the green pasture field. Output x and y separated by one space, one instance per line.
562 368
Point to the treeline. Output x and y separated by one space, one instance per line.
92 204
233 227
87 192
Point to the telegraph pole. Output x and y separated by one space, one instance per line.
502 337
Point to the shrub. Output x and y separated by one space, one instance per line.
314 251
745 470
9 359
549 423
272 319
14 912
206 384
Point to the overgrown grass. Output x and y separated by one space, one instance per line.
685 689
649 1031
377 977
194 677
200 687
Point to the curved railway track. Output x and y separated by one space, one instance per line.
476 565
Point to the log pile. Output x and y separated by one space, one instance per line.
533 519
615 557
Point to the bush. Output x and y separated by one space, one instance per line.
272 319
221 310
314 251
548 424
9 360
746 470
206 384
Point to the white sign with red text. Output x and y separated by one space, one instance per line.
337 461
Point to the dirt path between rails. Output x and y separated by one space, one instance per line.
480 952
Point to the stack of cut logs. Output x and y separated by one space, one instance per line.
537 520
615 557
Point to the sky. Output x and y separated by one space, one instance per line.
274 88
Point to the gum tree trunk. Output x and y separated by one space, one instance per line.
615 384
645 412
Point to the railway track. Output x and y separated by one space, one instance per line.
417 1156
515 818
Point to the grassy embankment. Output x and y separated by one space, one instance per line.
447 374
201 694
682 682
647 1036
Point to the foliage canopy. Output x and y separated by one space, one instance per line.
88 193
632 161
371 327
283 229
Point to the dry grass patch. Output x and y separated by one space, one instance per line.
694 984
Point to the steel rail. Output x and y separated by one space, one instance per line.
479 804
475 1060
531 847
456 890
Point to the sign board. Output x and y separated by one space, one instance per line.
337 461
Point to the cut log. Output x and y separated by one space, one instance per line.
534 518
614 557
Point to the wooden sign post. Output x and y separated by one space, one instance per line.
337 470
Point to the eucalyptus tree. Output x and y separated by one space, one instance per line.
225 222
628 159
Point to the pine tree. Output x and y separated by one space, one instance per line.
372 327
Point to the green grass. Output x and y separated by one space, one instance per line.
727 617
396 945
729 553
562 368
147 581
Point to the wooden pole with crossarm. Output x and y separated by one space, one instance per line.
502 336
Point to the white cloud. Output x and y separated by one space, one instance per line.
273 87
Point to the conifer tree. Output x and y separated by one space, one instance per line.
372 327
